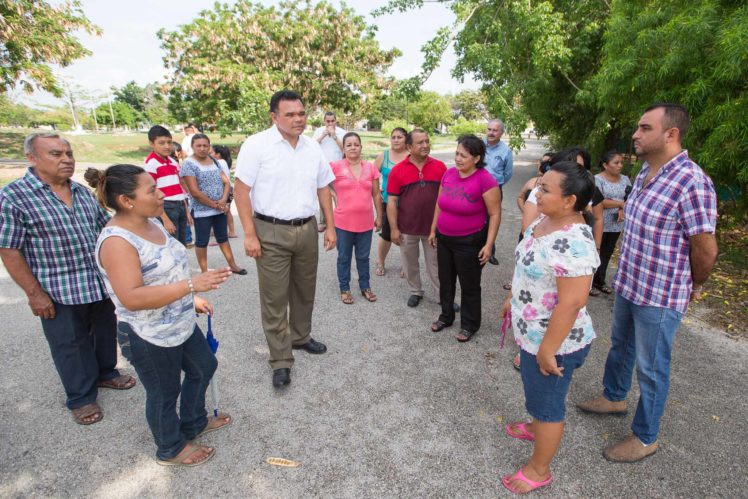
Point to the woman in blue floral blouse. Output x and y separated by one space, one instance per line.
554 265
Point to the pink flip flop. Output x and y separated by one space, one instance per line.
523 433
521 476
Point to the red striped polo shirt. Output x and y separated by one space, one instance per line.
165 171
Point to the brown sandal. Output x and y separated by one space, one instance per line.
216 423
189 450
346 297
88 414
369 294
122 382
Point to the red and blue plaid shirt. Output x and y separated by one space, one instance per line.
57 241
679 202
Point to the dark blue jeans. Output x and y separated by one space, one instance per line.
177 213
160 370
83 344
641 336
347 241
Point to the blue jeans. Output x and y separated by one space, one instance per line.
642 335
160 370
177 213
347 241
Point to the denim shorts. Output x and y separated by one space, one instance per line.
202 229
545 396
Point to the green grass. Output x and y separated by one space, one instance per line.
110 148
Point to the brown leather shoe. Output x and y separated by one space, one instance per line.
629 450
601 405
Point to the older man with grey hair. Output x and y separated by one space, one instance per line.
499 162
48 230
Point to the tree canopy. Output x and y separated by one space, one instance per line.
35 34
227 62
583 71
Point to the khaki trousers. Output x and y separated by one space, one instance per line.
287 273
410 254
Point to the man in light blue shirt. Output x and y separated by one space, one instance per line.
499 161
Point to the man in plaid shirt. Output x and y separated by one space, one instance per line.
48 230
667 253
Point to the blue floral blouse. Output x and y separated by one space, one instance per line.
569 252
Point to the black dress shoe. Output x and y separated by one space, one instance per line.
311 346
414 300
281 377
493 261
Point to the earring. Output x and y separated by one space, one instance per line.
131 206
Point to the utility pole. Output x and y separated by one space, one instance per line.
111 111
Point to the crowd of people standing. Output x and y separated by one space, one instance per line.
94 279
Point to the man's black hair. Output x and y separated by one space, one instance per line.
157 131
676 116
280 95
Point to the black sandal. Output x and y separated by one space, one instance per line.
464 336
438 326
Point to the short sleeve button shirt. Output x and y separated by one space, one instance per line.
678 202
284 180
57 241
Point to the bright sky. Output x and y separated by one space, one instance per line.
129 49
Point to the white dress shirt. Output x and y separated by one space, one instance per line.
284 180
332 151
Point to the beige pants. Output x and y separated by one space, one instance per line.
287 272
409 253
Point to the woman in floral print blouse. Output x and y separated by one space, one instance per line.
554 265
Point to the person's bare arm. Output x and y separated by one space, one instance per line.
325 202
395 235
525 188
378 161
597 225
612 203
252 246
492 198
573 293
529 214
434 220
703 254
226 189
376 194
39 301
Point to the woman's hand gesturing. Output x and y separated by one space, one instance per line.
211 279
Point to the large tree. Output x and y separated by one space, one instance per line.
227 62
35 34
695 53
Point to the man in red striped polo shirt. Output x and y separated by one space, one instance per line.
165 171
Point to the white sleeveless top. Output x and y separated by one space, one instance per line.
160 264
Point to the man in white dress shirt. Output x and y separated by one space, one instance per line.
330 138
281 176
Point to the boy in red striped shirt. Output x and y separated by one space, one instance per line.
165 171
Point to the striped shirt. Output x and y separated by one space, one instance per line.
57 242
677 203
165 171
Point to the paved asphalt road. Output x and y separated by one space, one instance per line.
392 410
